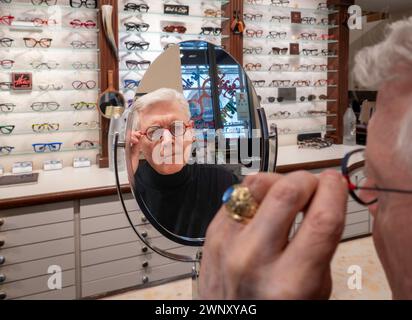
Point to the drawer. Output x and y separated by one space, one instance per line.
107 238
110 222
68 293
356 230
357 217
353 206
19 237
34 285
121 251
113 268
37 215
135 278
101 206
37 251
36 268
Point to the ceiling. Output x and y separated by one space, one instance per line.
385 5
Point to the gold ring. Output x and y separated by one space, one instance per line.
240 203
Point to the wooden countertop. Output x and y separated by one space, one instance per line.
71 183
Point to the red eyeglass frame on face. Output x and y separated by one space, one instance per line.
76 23
6 20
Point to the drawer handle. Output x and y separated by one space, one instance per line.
1 222
145 279
2 278
145 264
1 243
3 295
144 234
144 249
2 259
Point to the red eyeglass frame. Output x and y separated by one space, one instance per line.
6 20
76 23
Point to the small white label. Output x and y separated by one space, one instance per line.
81 162
22 167
52 165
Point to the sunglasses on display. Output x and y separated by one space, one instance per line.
252 50
43 42
279 19
252 17
274 99
44 147
253 66
84 105
313 67
78 85
42 127
85 144
276 35
254 33
310 52
136 46
176 128
280 83
6 64
212 13
82 45
90 4
6 149
44 65
139 27
171 29
38 22
130 83
308 36
353 169
136 7
76 23
39 106
7 129
323 83
46 2
134 64
309 20
326 52
7 20
310 97
6 42
47 87
7 107
279 51
86 125
80 65
279 67
301 83
210 31
323 6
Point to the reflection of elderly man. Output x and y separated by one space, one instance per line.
182 197
257 260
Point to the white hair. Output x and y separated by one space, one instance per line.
375 65
159 96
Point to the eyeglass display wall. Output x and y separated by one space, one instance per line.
288 53
55 42
147 28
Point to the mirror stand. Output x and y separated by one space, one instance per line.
195 275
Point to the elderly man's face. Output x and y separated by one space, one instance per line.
169 154
386 167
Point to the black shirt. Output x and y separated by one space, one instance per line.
185 202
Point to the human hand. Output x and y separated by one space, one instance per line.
256 260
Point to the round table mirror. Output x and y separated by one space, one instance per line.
193 132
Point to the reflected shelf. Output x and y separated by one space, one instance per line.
289 71
320 56
288 9
302 117
47 8
13 154
49 49
55 111
33 70
126 15
297 25
296 102
285 132
41 29
221 36
45 91
48 132
290 40
305 87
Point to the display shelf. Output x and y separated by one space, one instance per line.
123 16
290 24
320 56
270 118
14 133
297 102
17 92
26 153
288 71
263 38
295 132
183 35
47 112
51 49
42 70
41 29
272 7
305 87
48 9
